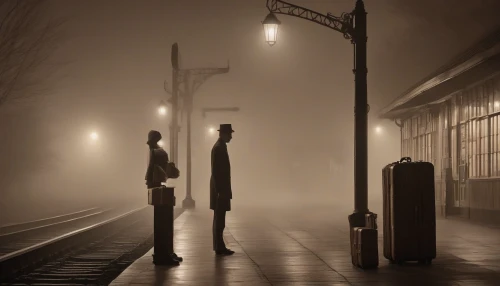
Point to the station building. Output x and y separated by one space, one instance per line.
452 119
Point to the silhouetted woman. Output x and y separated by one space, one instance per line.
157 156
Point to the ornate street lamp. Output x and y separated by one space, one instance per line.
271 24
353 27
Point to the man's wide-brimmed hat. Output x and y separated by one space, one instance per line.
226 128
153 137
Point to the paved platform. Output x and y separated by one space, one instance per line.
311 247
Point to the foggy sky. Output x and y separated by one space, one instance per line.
296 97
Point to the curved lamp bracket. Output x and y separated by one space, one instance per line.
342 24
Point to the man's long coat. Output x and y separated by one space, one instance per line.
220 180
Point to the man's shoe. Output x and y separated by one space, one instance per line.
224 252
175 257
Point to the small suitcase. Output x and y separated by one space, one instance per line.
365 248
371 221
409 225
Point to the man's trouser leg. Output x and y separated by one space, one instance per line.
218 230
214 233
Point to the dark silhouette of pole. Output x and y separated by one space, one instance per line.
353 27
174 126
188 163
188 201
361 112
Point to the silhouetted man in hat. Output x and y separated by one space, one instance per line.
220 188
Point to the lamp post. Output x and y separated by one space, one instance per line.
192 79
174 126
353 27
188 202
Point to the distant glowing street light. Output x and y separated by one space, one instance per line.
94 136
162 110
160 143
378 130
497 104
211 130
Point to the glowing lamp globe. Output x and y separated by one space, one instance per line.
162 110
271 24
94 136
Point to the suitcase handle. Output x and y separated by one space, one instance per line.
405 159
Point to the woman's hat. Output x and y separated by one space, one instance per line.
153 137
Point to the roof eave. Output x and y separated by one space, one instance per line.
439 79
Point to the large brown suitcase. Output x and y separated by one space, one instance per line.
365 254
409 211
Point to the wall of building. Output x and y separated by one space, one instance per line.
461 137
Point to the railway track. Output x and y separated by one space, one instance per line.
16 227
24 235
90 255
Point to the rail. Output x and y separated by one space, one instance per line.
27 258
13 227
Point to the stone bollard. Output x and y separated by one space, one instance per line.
163 200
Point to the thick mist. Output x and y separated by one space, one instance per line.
294 140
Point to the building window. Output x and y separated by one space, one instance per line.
495 95
479 116
464 110
406 139
455 110
495 145
423 137
444 137
483 150
414 135
472 134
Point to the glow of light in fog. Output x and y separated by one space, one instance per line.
160 143
497 104
162 110
94 136
211 130
378 130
